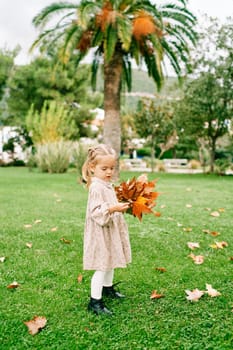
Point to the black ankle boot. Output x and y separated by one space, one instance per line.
98 307
112 293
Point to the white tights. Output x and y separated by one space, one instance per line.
100 279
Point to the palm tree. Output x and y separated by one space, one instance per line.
119 31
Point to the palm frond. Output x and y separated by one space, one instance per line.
110 42
94 68
86 11
42 18
127 72
124 29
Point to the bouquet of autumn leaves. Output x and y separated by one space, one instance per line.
141 195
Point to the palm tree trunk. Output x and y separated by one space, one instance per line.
112 89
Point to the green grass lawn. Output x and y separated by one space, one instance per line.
47 272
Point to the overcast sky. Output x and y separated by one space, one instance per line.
16 20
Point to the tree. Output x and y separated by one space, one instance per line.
154 121
206 110
38 82
6 65
119 30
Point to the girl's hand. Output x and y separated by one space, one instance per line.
120 207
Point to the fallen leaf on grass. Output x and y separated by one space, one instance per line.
27 226
221 210
212 233
155 295
193 245
215 214
194 295
53 229
161 269
37 221
231 258
29 245
67 241
211 291
187 229
13 285
198 259
80 278
2 259
219 245
36 324
189 206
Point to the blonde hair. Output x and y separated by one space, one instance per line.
93 154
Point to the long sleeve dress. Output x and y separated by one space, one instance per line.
106 237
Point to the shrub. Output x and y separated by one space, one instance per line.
143 152
79 156
54 157
54 123
194 164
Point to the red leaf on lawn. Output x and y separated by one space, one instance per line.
13 285
155 295
161 269
36 324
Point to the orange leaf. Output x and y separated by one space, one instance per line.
161 269
80 278
219 245
13 285
36 324
155 295
140 194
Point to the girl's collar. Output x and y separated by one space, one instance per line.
105 183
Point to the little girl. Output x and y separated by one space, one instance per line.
106 238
